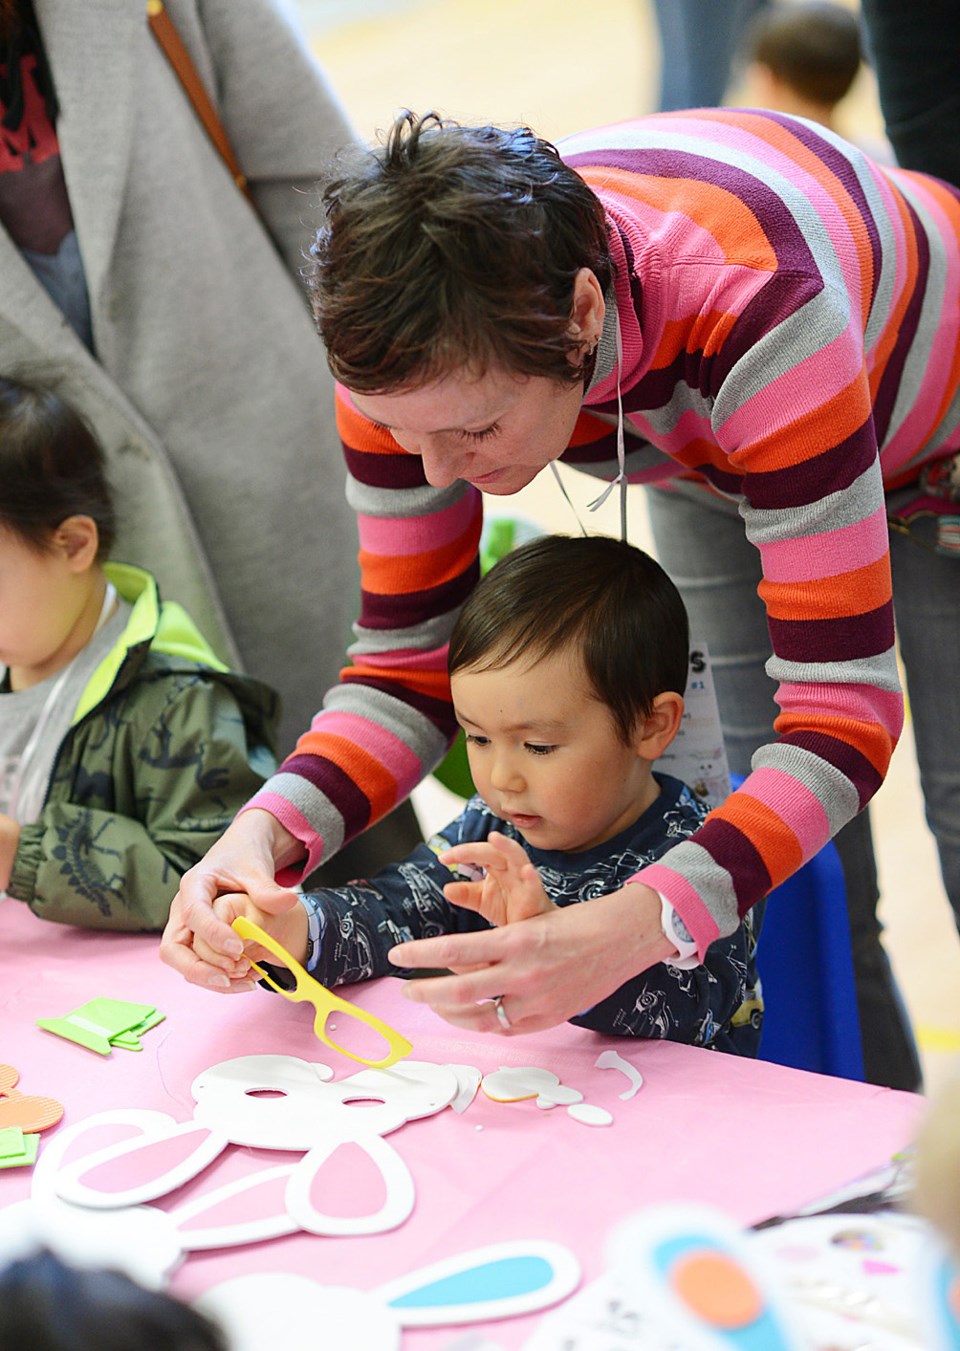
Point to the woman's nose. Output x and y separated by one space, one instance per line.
441 465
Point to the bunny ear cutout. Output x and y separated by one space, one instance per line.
708 1286
375 1170
251 1309
503 1280
247 1210
141 1169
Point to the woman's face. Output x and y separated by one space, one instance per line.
496 430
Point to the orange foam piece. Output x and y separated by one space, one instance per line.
29 1113
9 1078
718 1289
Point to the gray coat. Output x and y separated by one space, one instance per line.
209 390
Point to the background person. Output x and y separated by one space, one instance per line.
802 58
174 318
739 282
126 746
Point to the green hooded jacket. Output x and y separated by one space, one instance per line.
165 747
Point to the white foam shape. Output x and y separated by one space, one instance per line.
398 1186
77 1184
297 1091
141 1241
588 1114
251 1308
561 1096
310 1106
613 1060
468 1080
513 1083
546 1103
230 1234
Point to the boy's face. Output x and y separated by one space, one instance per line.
545 753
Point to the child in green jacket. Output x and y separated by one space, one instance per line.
126 746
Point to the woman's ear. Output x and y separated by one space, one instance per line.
77 539
588 309
660 726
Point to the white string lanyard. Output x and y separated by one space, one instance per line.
49 704
621 477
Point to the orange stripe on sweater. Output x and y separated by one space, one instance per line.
396 575
841 597
772 838
808 435
359 433
372 778
434 683
732 226
871 739
891 329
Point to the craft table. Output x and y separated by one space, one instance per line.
749 1137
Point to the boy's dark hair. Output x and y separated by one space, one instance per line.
813 46
609 600
452 246
46 1305
51 467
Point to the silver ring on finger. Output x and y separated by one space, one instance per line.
503 1018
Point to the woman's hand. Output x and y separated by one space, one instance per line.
546 969
244 859
511 888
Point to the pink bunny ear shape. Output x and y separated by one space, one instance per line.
140 1170
323 1168
251 1308
247 1210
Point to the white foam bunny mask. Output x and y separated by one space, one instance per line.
500 1281
268 1102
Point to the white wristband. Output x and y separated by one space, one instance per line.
678 934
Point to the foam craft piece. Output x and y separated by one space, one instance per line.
95 1023
514 1083
25 1111
502 1280
18 1150
613 1060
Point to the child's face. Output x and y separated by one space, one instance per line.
40 603
545 753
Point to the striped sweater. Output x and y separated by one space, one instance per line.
789 314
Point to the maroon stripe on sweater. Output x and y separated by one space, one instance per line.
331 780
846 759
730 849
401 611
384 471
797 485
845 639
889 386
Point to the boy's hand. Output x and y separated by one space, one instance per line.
288 928
510 891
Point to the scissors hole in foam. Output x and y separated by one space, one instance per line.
356 1032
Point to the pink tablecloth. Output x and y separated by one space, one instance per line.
749 1137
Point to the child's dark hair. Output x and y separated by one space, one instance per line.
609 600
454 246
46 1305
814 47
51 467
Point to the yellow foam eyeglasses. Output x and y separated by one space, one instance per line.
323 1000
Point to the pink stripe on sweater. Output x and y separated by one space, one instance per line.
392 753
298 826
407 659
402 536
829 553
684 899
859 703
794 804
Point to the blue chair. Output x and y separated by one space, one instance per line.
810 1019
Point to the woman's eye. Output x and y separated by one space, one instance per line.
484 434
535 749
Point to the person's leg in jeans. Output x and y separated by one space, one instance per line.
926 600
915 49
701 543
698 43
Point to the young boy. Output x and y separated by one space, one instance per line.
126 747
567 665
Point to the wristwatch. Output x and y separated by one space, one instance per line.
679 935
